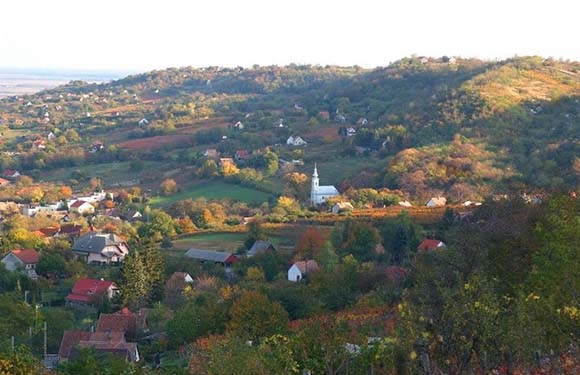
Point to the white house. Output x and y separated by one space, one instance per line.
143 122
320 194
341 207
405 204
296 141
238 125
437 202
302 269
350 131
82 207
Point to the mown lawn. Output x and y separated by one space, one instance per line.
214 190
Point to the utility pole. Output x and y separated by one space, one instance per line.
45 340
12 342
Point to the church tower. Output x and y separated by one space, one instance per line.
314 186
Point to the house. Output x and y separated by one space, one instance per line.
296 141
184 276
4 182
49 231
362 121
10 173
96 147
132 215
238 125
90 291
227 162
437 202
242 155
423 59
100 247
350 131
70 231
82 207
430 245
219 257
69 340
51 136
298 107
260 247
121 321
22 259
143 122
324 115
452 60
302 269
320 194
341 207
39 144
100 342
110 336
405 204
211 153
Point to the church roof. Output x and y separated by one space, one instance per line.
326 190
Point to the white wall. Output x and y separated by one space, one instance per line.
294 273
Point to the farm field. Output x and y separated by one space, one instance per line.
214 190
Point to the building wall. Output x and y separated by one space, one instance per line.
12 262
294 273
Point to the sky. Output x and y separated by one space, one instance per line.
133 36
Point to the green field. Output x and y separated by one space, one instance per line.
214 190
211 241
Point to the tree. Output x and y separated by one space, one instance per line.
135 287
309 244
327 257
168 186
254 316
255 233
204 316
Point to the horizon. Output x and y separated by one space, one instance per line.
122 38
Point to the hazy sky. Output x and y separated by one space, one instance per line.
141 35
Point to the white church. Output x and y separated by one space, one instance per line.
320 194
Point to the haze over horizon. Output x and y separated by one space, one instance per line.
131 36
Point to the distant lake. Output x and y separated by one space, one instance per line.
29 81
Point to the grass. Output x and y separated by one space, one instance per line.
109 173
211 241
214 190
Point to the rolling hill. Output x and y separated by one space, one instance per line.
464 128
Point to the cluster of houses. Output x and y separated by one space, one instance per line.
114 334
83 205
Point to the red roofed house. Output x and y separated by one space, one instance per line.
102 342
4 182
242 155
24 259
82 207
70 339
430 245
300 270
10 173
121 321
89 291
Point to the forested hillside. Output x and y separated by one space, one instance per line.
463 128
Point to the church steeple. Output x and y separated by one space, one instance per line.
315 180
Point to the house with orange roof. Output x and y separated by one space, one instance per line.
22 259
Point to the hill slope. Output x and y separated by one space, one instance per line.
465 128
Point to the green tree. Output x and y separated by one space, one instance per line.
202 317
254 316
